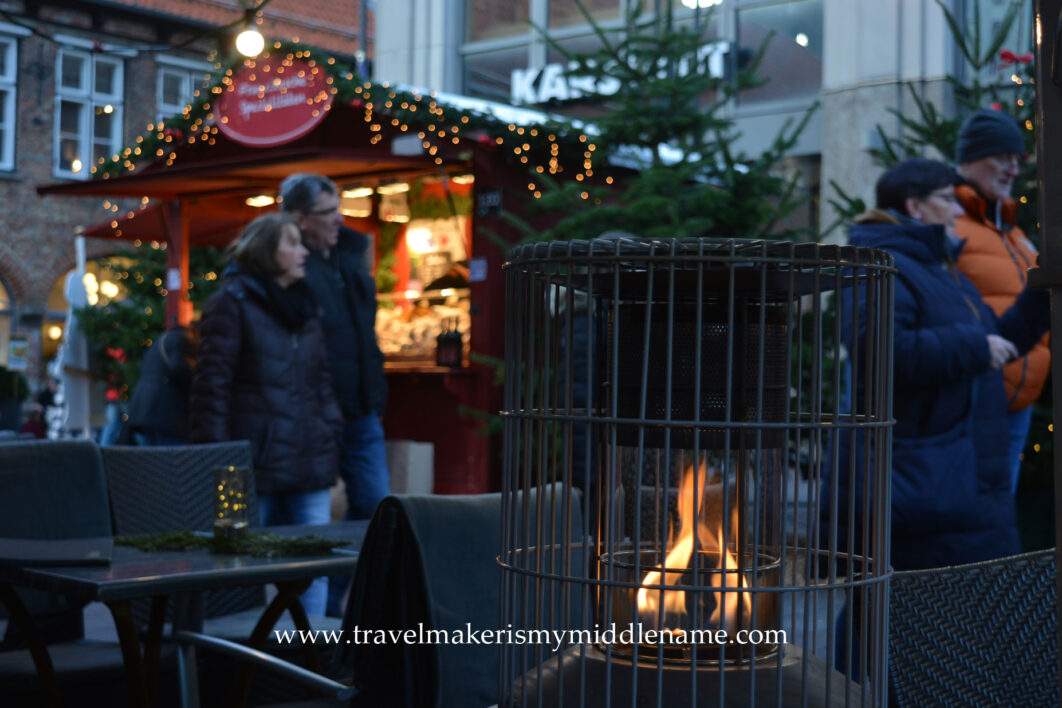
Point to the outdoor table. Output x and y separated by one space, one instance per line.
133 574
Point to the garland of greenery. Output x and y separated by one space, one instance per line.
255 543
423 114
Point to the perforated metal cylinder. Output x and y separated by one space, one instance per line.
686 520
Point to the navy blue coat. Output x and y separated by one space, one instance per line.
941 369
346 296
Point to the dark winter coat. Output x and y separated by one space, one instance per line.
160 400
257 379
346 296
940 369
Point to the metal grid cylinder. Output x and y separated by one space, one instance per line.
686 519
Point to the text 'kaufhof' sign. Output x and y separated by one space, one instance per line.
548 83
274 101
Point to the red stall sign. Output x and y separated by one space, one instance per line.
274 101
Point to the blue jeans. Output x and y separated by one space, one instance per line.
1018 424
300 508
363 466
112 430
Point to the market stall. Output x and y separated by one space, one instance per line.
428 194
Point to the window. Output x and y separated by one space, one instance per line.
8 80
177 82
565 13
88 110
490 19
792 63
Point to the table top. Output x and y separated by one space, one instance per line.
135 574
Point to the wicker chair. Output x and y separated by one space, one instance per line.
982 634
158 489
56 489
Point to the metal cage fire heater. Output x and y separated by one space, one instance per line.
679 427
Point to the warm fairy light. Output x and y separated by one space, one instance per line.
259 201
357 192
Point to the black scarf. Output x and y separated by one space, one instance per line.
293 305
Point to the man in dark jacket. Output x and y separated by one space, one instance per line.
337 272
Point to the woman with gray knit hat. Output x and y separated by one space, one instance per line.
997 255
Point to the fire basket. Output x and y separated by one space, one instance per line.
682 404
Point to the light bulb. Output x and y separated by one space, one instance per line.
250 42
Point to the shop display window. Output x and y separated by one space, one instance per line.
422 271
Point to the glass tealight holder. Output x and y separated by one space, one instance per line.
231 495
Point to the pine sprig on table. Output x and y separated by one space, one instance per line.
255 543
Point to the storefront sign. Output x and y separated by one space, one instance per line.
274 101
18 353
537 85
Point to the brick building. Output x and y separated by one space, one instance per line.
80 80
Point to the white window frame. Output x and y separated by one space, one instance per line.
193 74
86 96
8 91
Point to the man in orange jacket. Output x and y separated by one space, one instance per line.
997 255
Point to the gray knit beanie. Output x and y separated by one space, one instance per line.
988 132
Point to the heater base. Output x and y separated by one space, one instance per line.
582 681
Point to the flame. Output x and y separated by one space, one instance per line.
685 541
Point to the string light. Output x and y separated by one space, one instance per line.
194 123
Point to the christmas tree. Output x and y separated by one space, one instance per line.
993 76
660 160
123 327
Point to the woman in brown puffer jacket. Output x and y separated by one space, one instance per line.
262 376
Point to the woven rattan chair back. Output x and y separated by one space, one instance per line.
982 634
158 489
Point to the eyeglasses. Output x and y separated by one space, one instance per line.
323 212
948 196
1005 160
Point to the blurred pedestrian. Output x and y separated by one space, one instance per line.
34 425
997 255
951 499
261 376
158 408
337 272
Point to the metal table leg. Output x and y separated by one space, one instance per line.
141 666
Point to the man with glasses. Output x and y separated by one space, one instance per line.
338 274
997 255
